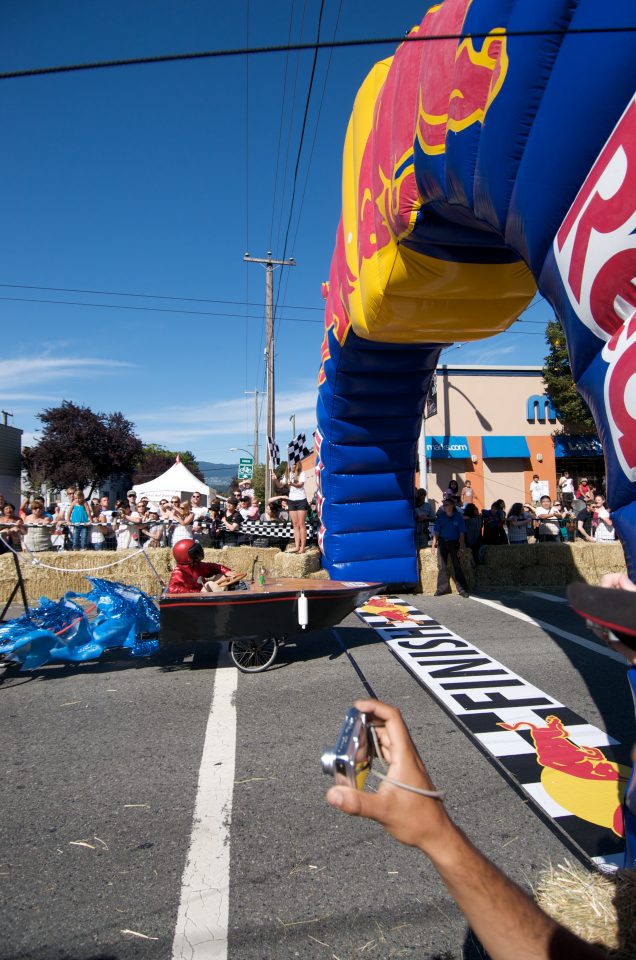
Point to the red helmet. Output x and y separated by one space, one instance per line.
184 551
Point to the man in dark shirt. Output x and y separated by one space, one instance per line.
584 522
448 540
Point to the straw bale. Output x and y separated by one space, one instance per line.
600 908
41 581
428 570
297 564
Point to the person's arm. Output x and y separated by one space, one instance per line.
581 530
505 919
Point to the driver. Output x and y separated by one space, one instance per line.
191 575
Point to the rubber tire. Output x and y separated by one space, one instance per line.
251 655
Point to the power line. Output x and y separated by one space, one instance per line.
287 48
122 306
302 139
148 296
280 129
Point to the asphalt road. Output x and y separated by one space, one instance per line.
101 764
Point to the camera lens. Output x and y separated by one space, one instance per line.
328 761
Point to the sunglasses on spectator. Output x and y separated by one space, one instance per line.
175 501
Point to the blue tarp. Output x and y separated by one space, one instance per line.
499 448
58 631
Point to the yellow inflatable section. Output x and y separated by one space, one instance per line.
398 294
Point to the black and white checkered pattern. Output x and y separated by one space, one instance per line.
272 530
274 452
433 654
296 449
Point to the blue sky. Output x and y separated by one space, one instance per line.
155 180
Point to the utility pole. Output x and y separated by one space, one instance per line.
269 265
249 393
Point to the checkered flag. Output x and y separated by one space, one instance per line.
274 452
296 449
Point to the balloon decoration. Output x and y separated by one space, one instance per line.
493 156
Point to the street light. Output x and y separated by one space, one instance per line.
242 449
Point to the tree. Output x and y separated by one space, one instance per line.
572 410
81 447
156 459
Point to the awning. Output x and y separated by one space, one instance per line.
447 448
498 448
577 446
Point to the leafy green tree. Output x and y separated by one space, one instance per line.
156 459
81 447
572 410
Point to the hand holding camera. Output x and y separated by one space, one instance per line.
413 818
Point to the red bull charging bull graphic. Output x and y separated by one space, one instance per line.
576 775
580 778
493 155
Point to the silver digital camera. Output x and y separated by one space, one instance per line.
350 760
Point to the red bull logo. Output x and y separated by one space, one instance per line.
579 778
337 292
395 612
456 90
462 82
595 250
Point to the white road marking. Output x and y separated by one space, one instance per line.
202 922
545 596
574 637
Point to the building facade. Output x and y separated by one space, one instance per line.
10 463
494 426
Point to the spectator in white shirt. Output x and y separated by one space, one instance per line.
535 490
549 518
602 524
566 490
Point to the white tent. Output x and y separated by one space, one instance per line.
176 481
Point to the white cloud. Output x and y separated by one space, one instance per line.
232 418
490 355
25 371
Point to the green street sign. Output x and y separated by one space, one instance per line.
246 468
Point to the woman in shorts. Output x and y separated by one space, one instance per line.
298 507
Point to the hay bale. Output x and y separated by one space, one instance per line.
54 574
600 908
428 570
297 564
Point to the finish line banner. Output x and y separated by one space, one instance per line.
574 773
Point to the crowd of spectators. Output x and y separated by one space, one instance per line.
77 523
579 512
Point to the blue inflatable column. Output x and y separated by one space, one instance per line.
369 418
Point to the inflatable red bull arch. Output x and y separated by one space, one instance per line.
477 171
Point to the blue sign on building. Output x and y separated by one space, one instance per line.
540 408
447 448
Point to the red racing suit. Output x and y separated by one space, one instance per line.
189 578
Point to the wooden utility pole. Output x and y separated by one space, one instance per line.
269 265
